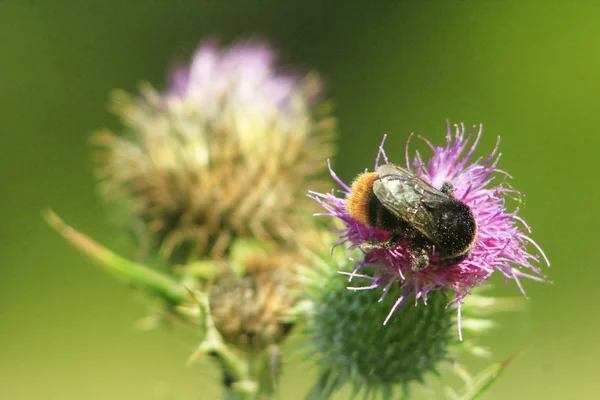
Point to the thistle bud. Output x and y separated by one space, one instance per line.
351 345
250 309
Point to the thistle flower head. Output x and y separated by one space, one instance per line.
250 308
500 244
245 74
351 345
227 151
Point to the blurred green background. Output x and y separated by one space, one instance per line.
529 70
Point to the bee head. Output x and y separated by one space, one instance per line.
455 228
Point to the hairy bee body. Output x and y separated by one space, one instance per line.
438 228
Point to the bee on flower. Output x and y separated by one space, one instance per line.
436 224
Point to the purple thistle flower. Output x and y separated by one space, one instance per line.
502 237
245 73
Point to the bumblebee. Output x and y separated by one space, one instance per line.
437 228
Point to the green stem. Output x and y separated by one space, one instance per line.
265 371
132 273
240 386
252 378
261 382
244 390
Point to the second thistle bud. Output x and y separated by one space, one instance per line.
251 308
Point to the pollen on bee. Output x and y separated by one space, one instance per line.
358 199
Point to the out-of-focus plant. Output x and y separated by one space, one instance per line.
210 177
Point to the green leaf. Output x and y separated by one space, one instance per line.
137 275
484 379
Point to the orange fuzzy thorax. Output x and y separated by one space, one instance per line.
362 188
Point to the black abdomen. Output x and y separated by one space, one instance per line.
380 217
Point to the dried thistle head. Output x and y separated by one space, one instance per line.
251 308
227 151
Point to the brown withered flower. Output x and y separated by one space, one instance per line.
228 151
251 308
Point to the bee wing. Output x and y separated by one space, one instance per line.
408 197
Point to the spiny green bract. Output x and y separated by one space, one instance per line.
351 344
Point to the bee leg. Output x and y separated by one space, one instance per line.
420 250
389 244
420 260
450 261
393 241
